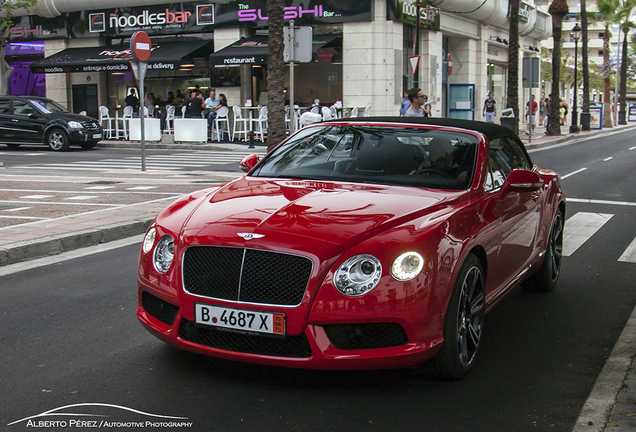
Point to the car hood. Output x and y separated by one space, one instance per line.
298 214
70 117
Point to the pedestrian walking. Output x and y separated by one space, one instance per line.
404 106
490 108
531 111
417 100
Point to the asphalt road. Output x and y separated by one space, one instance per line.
69 336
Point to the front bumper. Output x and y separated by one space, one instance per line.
326 346
85 135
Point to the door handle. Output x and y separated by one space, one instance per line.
15 120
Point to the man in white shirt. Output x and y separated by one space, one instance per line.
417 99
212 102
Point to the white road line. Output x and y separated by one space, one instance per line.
58 203
81 197
580 228
603 202
99 187
608 159
23 217
36 196
630 253
573 173
632 148
17 209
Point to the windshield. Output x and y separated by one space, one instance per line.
403 156
48 106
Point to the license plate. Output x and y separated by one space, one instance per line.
240 319
97 136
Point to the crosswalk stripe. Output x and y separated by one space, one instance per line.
630 253
580 227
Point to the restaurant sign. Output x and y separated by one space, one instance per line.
406 11
182 18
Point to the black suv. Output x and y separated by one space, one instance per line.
37 120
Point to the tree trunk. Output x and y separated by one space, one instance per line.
5 69
275 75
512 98
554 128
585 64
622 117
607 71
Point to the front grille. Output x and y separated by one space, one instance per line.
90 124
366 336
159 309
287 346
246 275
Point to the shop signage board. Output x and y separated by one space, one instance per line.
406 11
302 41
183 18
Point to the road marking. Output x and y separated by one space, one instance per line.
99 187
630 253
81 197
23 217
142 188
604 202
580 228
573 173
608 159
632 148
17 209
36 197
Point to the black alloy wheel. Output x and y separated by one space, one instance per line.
545 279
464 323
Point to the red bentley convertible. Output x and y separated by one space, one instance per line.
356 243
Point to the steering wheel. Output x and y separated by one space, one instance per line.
432 171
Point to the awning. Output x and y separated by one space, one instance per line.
167 54
253 51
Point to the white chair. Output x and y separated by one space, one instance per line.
315 110
183 111
221 117
82 113
287 120
239 120
169 119
367 111
334 111
104 116
354 112
146 112
128 114
261 122
309 118
326 113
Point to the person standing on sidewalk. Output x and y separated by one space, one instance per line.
531 111
548 107
417 99
405 104
490 109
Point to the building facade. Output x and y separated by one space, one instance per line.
363 53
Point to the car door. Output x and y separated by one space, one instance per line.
7 132
517 214
27 122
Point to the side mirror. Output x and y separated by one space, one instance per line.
249 162
33 116
521 180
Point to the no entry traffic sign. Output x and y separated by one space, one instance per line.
140 46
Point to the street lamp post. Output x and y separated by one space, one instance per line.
576 34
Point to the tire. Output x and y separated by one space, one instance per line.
57 140
463 325
13 146
545 279
88 145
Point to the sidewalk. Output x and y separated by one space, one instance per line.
610 405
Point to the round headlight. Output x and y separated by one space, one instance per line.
407 266
164 254
358 275
149 240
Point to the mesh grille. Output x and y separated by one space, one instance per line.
159 309
288 346
246 275
366 336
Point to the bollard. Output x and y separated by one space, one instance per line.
251 139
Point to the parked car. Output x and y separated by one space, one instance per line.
356 243
36 120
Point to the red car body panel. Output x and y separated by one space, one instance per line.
329 222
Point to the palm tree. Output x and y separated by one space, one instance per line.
626 24
558 9
275 75
608 13
512 98
586 69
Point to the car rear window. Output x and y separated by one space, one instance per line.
407 156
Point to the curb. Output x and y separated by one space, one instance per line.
54 245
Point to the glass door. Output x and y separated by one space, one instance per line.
461 101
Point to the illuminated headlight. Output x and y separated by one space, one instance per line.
358 275
164 254
407 266
149 240
75 125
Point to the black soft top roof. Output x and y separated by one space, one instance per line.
490 130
